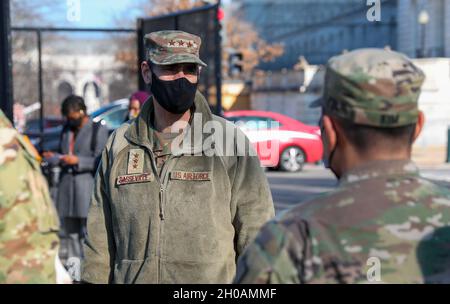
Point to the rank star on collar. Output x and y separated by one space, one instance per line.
135 161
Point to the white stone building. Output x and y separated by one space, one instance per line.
88 76
319 29
436 33
85 67
435 101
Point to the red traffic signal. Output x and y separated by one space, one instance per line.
220 14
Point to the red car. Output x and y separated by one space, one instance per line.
280 141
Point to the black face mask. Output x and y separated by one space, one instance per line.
175 96
75 124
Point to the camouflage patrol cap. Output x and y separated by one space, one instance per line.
372 87
172 47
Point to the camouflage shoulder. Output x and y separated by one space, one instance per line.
9 144
28 220
440 186
309 209
4 121
275 257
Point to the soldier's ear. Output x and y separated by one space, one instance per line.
329 135
419 125
146 72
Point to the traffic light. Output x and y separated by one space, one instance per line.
235 64
220 14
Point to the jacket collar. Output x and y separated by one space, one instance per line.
140 132
381 168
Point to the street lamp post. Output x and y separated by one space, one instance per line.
423 19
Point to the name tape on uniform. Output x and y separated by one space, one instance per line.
190 176
134 179
136 161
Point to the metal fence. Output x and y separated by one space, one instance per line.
45 64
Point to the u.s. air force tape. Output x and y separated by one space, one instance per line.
190 176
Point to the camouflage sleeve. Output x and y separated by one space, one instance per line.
252 199
99 248
28 220
275 257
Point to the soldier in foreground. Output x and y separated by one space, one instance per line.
161 217
384 223
28 220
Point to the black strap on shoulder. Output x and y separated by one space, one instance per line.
95 128
64 130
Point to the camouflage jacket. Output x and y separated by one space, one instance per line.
185 224
385 223
28 220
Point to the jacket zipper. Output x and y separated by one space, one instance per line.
162 200
161 231
161 214
163 186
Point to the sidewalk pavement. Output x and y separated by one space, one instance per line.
431 157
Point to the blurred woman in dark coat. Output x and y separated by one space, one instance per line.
82 142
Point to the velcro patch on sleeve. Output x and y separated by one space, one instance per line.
134 179
190 176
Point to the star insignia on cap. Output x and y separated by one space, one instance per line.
171 43
181 43
189 44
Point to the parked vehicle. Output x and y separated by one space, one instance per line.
112 115
33 126
281 142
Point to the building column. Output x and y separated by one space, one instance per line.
406 29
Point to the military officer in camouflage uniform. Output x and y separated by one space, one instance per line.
28 221
384 223
164 216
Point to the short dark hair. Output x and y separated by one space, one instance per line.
72 103
367 138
